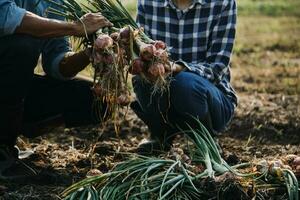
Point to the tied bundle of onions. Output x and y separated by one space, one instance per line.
151 62
110 76
118 50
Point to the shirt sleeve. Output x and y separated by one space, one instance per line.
220 47
11 17
54 51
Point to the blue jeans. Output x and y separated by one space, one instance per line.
190 96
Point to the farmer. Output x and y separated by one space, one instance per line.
28 102
200 34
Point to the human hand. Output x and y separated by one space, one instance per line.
159 69
90 23
175 68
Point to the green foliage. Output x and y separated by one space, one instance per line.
269 7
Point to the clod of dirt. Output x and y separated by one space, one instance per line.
231 158
104 149
232 190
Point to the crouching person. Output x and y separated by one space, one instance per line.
200 35
28 102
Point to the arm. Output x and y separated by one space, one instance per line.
73 63
49 28
14 19
10 17
220 48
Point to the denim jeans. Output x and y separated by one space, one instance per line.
190 96
28 98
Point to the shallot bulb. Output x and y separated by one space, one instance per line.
115 36
157 69
125 35
160 45
103 42
137 66
108 59
147 52
296 161
97 58
276 168
162 55
262 166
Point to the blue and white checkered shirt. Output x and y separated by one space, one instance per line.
200 37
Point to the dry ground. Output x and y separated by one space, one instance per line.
266 75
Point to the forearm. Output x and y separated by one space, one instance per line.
37 26
73 63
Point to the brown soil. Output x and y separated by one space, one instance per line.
266 123
265 126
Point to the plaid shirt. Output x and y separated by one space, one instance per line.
200 37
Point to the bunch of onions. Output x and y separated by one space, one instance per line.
110 77
282 171
118 52
151 62
122 51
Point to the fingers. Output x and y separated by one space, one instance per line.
98 18
94 22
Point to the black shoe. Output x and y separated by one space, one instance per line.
23 154
11 167
8 156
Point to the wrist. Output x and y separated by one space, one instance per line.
74 28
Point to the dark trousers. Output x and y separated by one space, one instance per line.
26 98
190 96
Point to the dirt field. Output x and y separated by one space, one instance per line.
266 76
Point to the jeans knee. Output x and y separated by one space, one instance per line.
188 95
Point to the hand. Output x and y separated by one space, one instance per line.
175 68
90 23
159 69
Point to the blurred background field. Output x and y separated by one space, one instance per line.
266 55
